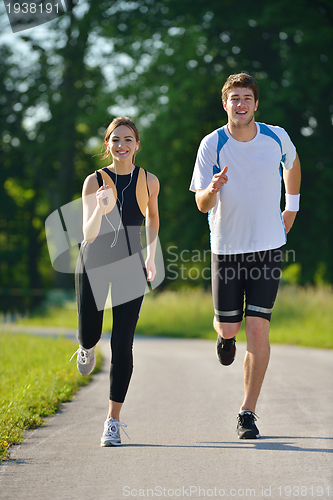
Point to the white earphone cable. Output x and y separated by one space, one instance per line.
121 203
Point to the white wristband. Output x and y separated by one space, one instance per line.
292 202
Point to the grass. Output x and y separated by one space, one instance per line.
35 379
301 316
62 317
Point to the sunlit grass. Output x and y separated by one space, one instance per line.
301 316
35 378
61 317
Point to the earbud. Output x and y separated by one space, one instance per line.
136 148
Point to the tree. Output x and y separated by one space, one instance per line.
191 52
163 63
52 105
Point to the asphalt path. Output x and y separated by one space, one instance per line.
180 412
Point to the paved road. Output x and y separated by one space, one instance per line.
181 415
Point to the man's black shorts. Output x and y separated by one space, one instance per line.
256 275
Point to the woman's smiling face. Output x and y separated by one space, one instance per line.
122 143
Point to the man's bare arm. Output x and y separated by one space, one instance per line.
206 198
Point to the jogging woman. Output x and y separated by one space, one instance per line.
116 201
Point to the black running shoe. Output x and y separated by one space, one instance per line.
226 350
246 428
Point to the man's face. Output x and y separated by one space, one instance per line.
240 106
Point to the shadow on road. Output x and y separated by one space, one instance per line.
273 443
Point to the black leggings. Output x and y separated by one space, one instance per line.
90 319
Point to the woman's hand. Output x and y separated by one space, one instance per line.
150 268
102 196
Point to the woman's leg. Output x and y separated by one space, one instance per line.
125 318
114 410
90 319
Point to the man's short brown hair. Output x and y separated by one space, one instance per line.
240 80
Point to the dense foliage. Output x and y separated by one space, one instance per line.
163 63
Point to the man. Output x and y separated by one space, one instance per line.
237 180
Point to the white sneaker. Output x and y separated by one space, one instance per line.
111 433
86 360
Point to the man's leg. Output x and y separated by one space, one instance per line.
226 330
228 299
256 360
226 341
260 291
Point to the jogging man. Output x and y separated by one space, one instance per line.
237 180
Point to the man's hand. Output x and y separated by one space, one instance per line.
206 198
288 219
292 181
218 181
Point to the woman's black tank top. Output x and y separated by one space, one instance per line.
120 232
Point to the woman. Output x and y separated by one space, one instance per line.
116 200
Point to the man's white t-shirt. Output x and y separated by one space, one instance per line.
247 215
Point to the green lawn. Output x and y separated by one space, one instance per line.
35 378
302 316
